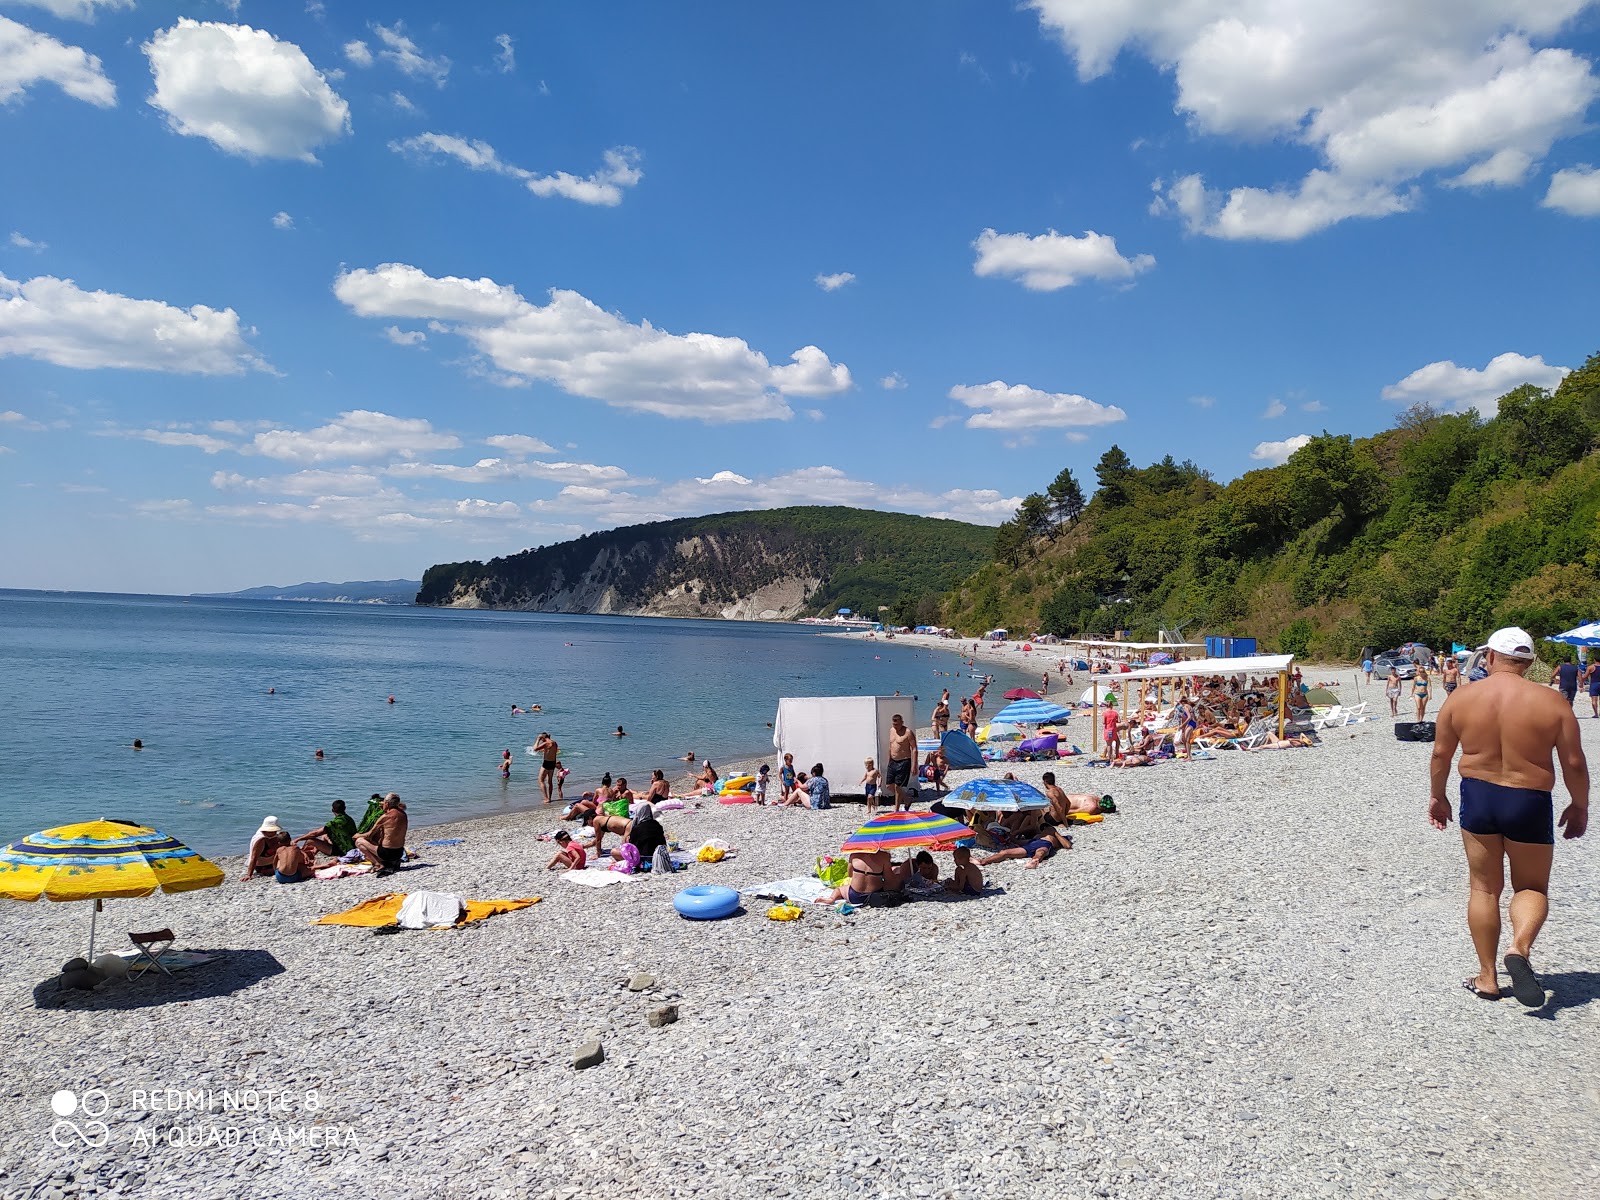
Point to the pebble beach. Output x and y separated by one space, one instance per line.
1244 983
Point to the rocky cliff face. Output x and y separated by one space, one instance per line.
766 566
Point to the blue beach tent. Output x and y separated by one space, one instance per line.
960 750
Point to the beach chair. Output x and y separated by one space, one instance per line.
1334 718
150 947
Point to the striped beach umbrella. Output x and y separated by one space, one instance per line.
101 860
901 830
1032 712
998 795
1583 635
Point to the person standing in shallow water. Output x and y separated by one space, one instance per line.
1508 729
546 745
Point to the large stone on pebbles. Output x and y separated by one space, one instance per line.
665 1015
590 1054
641 982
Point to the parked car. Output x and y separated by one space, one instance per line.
1392 661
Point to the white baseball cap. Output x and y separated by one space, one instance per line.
1512 641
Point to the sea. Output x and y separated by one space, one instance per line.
231 699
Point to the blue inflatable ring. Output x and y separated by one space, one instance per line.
704 902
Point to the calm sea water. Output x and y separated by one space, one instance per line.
82 675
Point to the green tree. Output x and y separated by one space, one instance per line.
1066 497
1114 474
1033 514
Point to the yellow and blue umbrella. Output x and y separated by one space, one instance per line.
901 830
101 860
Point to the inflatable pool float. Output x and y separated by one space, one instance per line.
737 798
705 902
739 783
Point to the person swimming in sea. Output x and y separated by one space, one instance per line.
137 744
621 732
318 754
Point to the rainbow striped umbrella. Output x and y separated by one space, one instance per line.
101 860
900 830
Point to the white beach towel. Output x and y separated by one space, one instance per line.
804 889
596 877
430 910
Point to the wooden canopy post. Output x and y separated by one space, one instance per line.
1283 699
1094 714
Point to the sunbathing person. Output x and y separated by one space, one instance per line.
384 845
263 850
569 855
798 796
644 834
708 776
336 838
924 866
1040 848
1133 759
1273 742
660 789
965 878
1063 806
1020 826
870 875
290 864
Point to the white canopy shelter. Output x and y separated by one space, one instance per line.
1137 645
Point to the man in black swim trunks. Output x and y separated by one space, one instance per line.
546 745
902 764
1508 729
1036 851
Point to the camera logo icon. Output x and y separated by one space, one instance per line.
87 1128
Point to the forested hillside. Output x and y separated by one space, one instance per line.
1439 529
773 564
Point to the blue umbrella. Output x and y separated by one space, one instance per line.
1001 795
1032 712
1583 635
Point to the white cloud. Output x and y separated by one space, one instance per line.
83 489
358 53
244 91
314 482
173 437
27 243
586 351
832 283
27 58
498 470
1275 408
603 187
403 53
402 101
55 321
519 444
892 382
1313 406
1383 93
1019 407
1052 260
17 420
1202 401
1278 453
1445 385
404 337
76 10
1575 190
282 220
506 58
164 508
358 434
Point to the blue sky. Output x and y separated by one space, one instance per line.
336 292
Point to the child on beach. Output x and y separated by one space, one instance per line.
786 774
1392 690
569 855
869 787
761 783
505 765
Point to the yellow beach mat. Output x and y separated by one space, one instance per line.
382 910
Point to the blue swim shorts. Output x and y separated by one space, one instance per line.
1517 814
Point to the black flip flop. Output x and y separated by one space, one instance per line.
1525 984
1472 986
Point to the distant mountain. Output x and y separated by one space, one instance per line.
369 591
770 565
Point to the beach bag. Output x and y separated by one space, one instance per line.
370 818
711 854
661 861
833 871
1414 731
615 808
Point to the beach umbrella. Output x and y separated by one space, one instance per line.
101 860
1583 635
1023 694
1000 795
1032 712
901 830
1106 696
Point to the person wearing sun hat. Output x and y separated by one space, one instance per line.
263 848
1508 730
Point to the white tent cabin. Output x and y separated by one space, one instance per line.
1264 664
840 732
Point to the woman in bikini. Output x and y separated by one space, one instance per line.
1419 689
869 875
660 789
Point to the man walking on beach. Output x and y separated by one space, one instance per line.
902 758
1508 729
546 745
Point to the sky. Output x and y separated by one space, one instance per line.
321 291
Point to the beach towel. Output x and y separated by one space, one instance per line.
430 910
340 869
596 877
804 890
382 910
